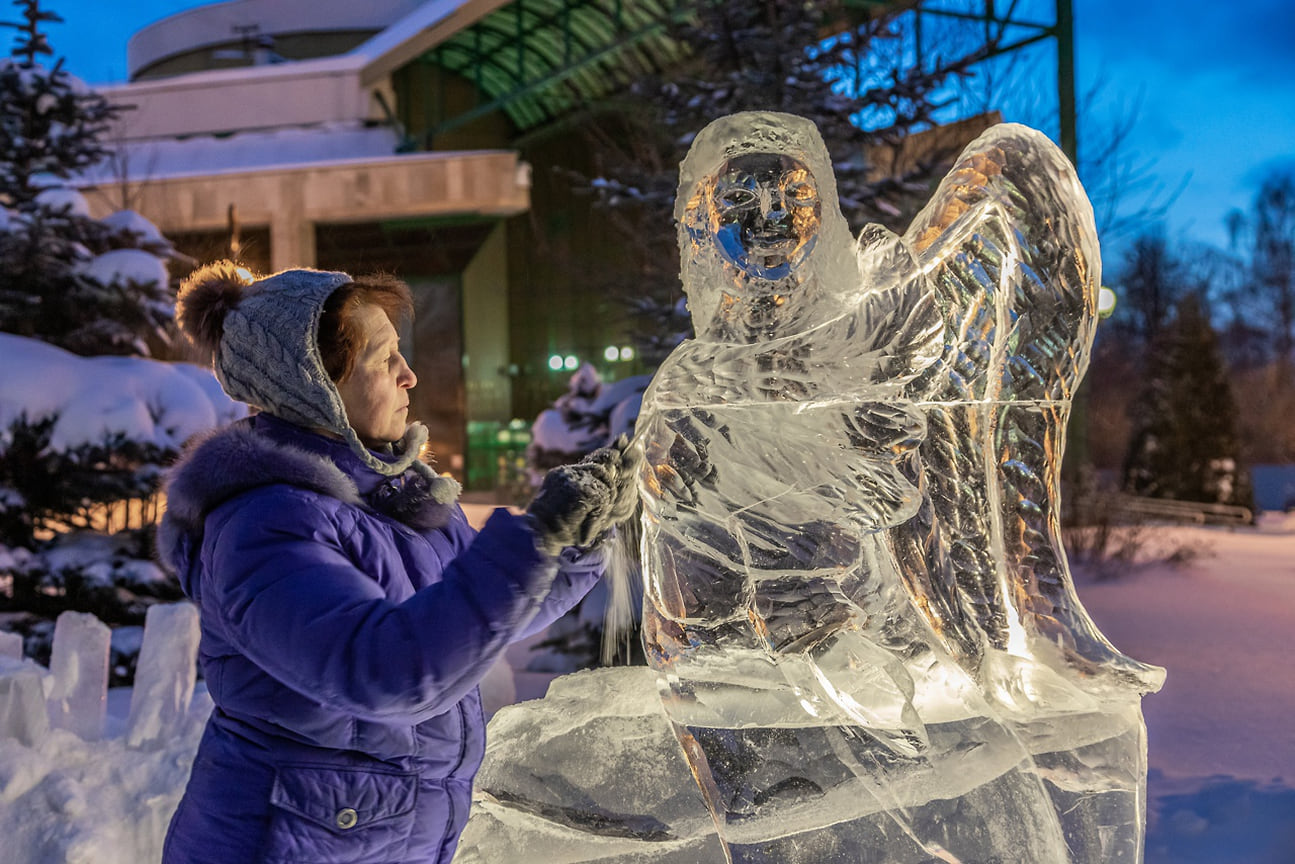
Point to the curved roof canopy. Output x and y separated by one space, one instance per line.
538 59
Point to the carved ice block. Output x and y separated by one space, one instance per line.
78 701
164 676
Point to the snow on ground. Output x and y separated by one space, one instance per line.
1221 734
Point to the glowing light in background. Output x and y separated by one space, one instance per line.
1105 302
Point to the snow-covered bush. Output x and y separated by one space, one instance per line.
83 445
591 414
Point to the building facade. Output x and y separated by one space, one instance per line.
381 136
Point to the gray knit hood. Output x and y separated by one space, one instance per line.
263 338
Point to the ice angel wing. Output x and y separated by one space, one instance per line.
1009 246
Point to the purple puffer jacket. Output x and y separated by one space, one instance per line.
346 622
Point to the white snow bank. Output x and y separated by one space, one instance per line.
97 397
101 802
1223 627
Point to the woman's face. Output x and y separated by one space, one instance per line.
376 392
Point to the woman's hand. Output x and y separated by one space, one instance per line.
578 503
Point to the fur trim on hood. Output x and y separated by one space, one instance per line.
227 462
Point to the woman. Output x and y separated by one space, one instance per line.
348 610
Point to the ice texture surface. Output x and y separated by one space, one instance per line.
79 666
164 675
590 773
10 645
23 715
857 601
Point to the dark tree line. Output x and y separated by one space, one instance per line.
1192 378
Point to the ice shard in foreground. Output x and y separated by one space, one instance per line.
78 701
164 675
857 601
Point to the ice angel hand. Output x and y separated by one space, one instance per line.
855 594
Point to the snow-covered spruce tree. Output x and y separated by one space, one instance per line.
91 286
848 71
1184 444
54 560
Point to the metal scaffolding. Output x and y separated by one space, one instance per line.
536 60
1006 28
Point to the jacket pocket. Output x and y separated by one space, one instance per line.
330 815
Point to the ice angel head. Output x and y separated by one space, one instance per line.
765 250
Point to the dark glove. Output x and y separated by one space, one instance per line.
578 503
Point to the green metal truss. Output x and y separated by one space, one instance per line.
537 60
1005 29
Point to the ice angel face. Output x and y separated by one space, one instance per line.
765 249
764 214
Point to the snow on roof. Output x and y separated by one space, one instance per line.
96 397
204 155
314 67
409 37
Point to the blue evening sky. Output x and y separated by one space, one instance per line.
1212 82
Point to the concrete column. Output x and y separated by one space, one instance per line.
292 235
485 330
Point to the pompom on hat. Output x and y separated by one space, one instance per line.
262 337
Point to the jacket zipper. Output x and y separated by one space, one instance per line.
449 796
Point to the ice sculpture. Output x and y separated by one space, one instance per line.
10 645
164 675
23 714
857 601
79 666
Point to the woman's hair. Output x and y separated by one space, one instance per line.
208 295
340 338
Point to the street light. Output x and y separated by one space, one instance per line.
1106 299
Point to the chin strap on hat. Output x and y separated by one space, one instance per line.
409 448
